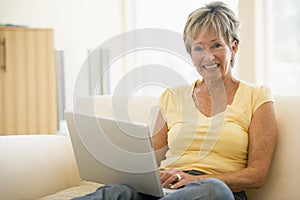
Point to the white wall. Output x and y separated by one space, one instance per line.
78 25
252 51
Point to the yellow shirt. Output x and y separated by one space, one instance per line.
215 144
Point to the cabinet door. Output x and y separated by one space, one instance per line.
28 84
13 109
2 68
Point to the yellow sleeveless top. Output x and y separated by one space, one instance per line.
215 144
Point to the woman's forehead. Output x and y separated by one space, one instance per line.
206 36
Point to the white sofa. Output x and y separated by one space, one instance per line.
44 167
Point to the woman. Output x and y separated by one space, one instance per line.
219 127
216 136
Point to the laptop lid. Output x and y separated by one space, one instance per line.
112 151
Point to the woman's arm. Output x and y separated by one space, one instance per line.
160 138
262 142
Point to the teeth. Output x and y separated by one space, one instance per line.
210 66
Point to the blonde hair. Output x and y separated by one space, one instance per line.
216 17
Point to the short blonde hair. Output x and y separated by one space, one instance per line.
216 17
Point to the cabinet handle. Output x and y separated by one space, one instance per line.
3 43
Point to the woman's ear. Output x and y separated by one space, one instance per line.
234 47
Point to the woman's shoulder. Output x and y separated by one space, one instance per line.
255 94
176 95
180 90
254 89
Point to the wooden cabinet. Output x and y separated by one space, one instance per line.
28 91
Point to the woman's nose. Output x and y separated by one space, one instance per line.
208 55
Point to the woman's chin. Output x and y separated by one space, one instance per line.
211 75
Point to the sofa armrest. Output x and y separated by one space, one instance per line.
33 166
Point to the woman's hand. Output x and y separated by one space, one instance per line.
174 178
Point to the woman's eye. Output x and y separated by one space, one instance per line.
198 49
217 45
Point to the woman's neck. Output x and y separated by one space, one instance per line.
217 94
219 85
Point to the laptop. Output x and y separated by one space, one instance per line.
111 151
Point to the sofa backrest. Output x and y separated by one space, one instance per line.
141 109
283 177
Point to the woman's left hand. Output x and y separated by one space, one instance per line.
175 178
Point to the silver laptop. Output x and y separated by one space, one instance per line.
112 151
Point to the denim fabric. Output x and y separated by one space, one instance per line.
113 192
237 195
208 189
240 195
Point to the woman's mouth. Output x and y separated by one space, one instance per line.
210 66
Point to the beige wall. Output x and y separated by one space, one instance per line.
78 26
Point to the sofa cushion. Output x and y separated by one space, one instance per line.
83 188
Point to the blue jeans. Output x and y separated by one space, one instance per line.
208 189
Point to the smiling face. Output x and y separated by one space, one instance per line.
212 56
